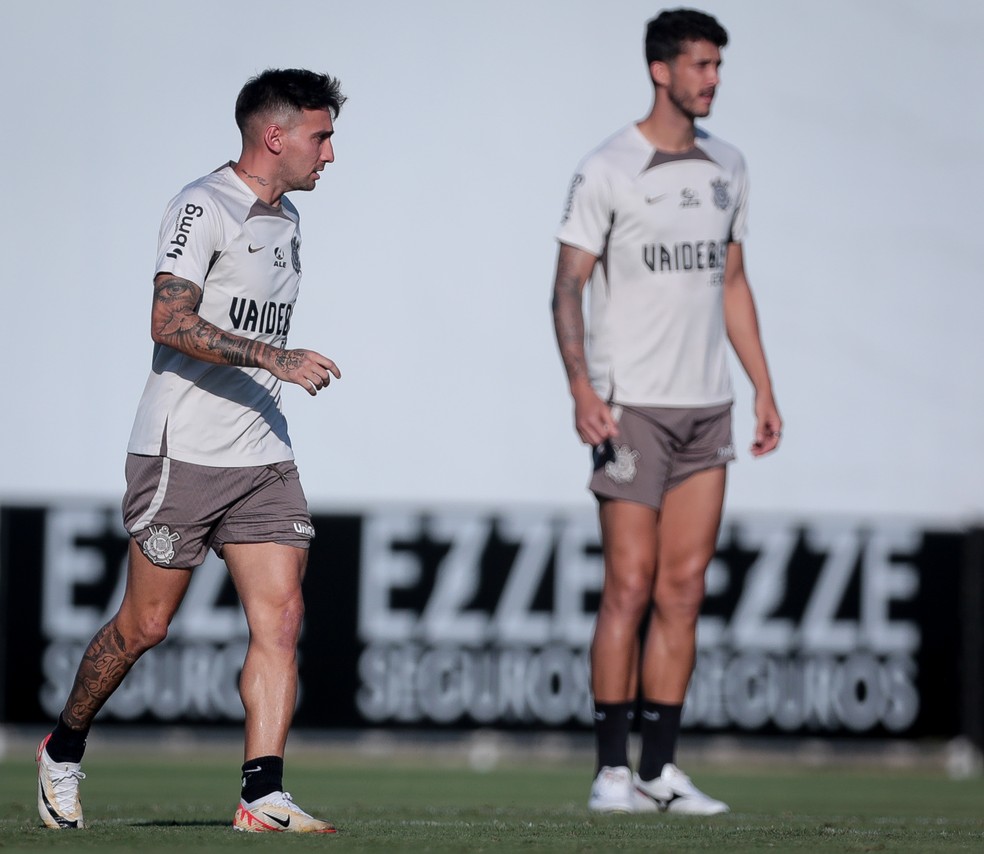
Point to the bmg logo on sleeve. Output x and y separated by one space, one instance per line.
182 228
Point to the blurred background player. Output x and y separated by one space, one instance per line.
655 218
209 461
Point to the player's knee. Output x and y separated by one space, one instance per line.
292 620
280 628
682 610
628 595
145 632
681 601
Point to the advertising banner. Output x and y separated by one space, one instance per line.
473 618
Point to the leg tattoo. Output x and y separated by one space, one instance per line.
105 662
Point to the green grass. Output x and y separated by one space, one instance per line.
151 802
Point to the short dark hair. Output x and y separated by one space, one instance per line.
666 33
290 89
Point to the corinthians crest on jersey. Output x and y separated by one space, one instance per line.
722 198
159 546
295 254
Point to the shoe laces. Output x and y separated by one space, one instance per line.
65 785
283 799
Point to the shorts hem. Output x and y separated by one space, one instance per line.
717 464
602 496
298 544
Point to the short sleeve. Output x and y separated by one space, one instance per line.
587 217
739 223
190 236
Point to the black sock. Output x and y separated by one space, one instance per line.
612 722
65 744
659 730
262 776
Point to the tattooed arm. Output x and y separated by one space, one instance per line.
592 416
176 323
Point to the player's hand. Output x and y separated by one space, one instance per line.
593 418
768 426
308 369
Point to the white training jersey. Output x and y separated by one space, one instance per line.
245 256
660 225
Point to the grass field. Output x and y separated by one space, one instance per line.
151 801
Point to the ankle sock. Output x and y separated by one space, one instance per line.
659 730
612 722
65 744
262 776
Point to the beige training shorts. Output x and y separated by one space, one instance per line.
658 448
177 511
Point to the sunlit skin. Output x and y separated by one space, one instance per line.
286 154
690 80
307 150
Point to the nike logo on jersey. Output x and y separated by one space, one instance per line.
257 249
651 200
283 822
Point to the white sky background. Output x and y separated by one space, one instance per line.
428 246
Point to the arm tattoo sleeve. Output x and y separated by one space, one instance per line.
176 323
231 349
569 322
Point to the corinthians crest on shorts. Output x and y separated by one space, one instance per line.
159 546
623 468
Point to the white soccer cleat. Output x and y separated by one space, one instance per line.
58 791
672 791
277 813
612 790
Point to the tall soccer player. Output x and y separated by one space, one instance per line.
209 463
654 219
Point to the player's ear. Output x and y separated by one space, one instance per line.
660 72
273 138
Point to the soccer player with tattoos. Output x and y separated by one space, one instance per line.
209 462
